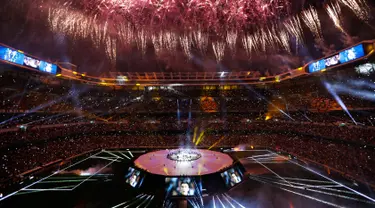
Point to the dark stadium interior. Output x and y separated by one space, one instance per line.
187 103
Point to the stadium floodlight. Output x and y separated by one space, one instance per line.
365 69
222 74
174 85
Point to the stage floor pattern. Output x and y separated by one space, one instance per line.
274 180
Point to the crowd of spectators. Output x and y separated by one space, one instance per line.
42 122
70 124
25 93
348 149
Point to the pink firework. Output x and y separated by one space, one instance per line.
207 14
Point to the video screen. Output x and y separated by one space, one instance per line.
352 54
47 67
232 177
134 177
10 55
182 186
332 61
31 62
16 57
317 66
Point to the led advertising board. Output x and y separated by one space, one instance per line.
317 66
352 54
31 62
11 55
332 61
19 58
348 55
47 67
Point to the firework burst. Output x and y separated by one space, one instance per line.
194 13
359 7
293 26
311 19
334 12
79 26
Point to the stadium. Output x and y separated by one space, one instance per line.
187 103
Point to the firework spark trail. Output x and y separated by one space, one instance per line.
77 25
96 35
219 50
261 37
65 21
265 38
311 19
125 34
170 41
284 40
334 12
359 7
185 42
142 41
231 39
105 29
157 42
293 26
273 36
201 40
248 44
111 50
256 40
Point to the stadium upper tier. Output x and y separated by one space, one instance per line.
353 54
25 93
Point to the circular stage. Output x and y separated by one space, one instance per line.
183 162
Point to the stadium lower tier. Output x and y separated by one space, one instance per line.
186 177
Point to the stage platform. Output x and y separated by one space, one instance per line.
179 162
